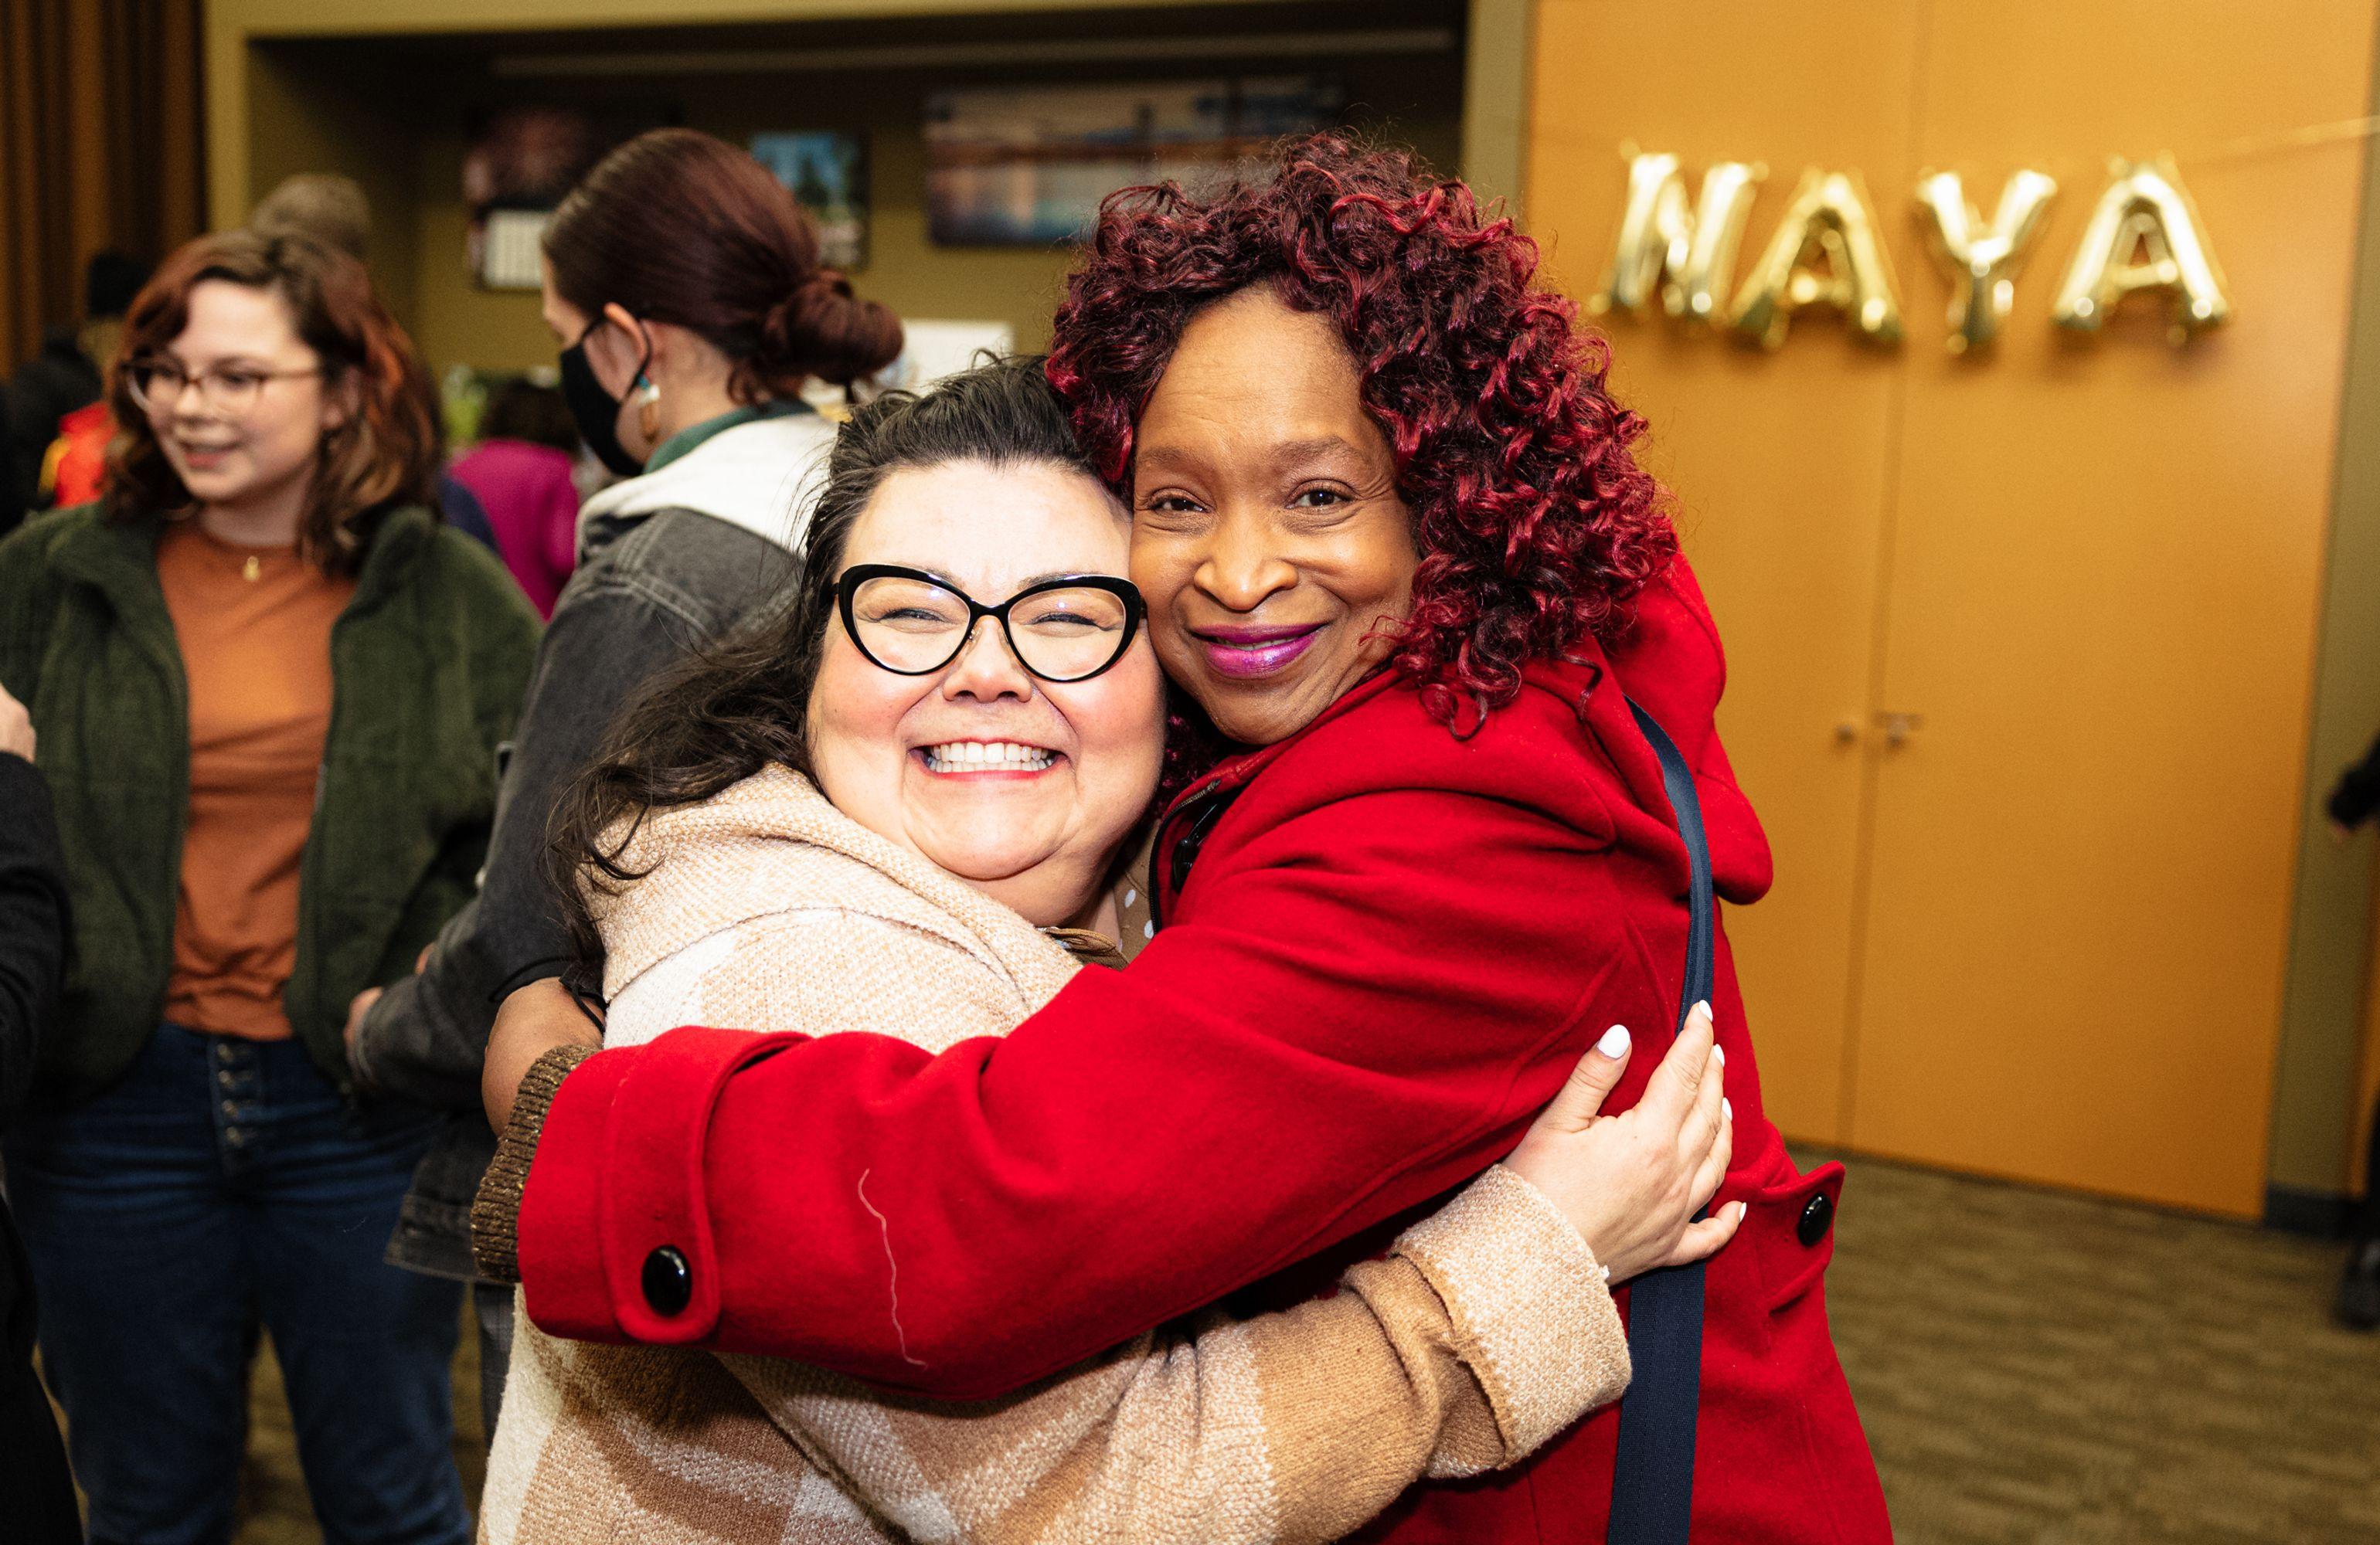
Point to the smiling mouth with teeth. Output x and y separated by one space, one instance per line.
986 757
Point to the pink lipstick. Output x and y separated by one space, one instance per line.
1253 651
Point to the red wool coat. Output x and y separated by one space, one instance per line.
1389 951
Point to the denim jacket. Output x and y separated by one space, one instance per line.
651 585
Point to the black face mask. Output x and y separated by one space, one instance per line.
596 411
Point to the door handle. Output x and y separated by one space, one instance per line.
1899 727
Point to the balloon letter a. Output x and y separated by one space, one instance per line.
2145 235
1829 221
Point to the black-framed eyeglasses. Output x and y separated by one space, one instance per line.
1067 629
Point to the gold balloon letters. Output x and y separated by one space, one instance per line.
1983 264
1658 235
2143 234
1829 222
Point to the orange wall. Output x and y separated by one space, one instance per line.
2045 938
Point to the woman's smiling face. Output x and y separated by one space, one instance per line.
1267 534
245 335
1022 786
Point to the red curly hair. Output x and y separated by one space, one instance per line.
1533 522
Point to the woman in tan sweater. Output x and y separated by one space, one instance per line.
881 814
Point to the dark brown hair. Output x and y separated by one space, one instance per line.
682 228
521 410
743 704
384 456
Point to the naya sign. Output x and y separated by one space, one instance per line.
2143 236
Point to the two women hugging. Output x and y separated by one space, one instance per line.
1319 522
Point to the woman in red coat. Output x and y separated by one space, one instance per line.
1399 557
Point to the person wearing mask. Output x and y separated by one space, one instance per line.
64 376
683 287
269 686
521 471
334 212
36 1489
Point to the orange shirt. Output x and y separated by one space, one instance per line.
254 625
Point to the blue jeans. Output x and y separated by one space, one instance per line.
222 1186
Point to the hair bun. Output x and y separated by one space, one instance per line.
822 329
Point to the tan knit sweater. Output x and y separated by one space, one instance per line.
1487 1331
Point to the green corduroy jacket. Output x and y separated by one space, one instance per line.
428 662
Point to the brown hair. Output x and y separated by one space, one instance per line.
682 228
384 456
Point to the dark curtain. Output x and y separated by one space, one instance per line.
100 147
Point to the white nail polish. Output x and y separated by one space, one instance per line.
1614 1044
1725 1108
1720 1054
1704 1008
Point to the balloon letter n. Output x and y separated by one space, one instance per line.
1687 253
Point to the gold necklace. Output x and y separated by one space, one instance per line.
253 569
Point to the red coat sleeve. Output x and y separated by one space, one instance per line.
1367 1002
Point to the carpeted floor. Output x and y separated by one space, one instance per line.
2032 1368
2041 1368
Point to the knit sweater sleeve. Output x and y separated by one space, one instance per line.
1485 1332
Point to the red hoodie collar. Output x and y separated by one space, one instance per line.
1573 679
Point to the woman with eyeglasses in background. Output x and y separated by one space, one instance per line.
269 685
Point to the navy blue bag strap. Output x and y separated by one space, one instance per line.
1653 1473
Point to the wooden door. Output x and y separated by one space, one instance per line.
2103 603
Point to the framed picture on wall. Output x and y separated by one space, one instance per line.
828 176
1028 166
521 160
